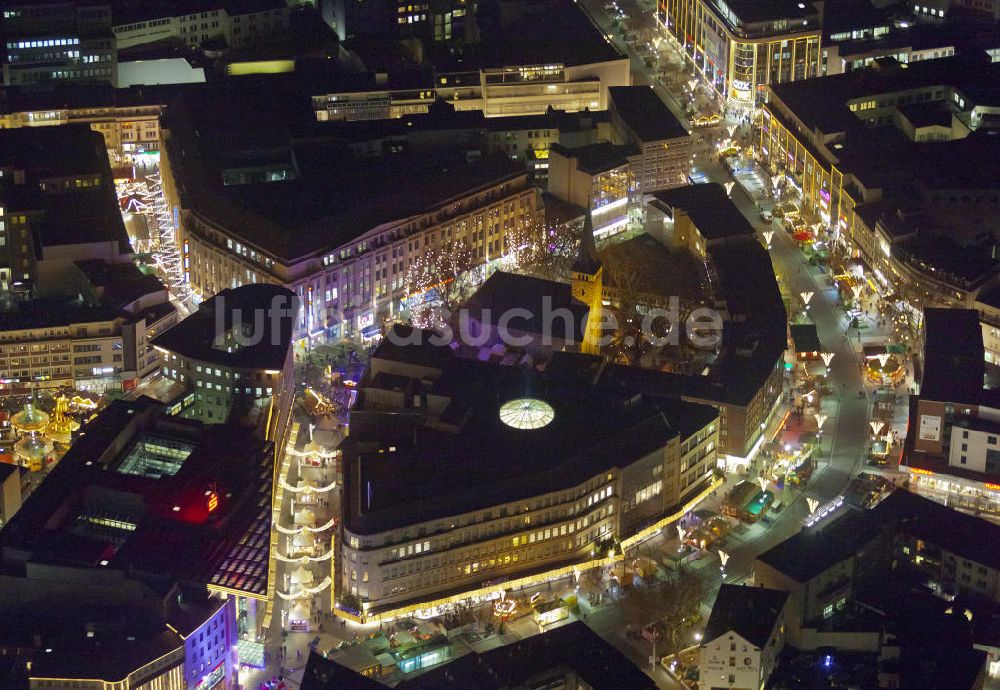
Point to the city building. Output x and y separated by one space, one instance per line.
57 205
91 331
805 342
571 655
599 179
951 548
821 566
640 118
111 633
258 201
854 46
741 47
10 491
74 309
57 41
239 24
544 315
745 381
481 507
128 119
156 502
743 638
699 217
894 158
235 355
951 446
518 67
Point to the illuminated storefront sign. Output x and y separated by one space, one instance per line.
213 679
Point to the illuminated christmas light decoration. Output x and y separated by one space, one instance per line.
306 489
145 196
304 559
300 530
304 592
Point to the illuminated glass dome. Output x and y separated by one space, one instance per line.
526 413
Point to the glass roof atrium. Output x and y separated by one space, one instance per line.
526 413
155 457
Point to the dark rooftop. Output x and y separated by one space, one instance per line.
645 113
928 113
595 159
198 336
964 266
709 207
78 215
335 195
529 40
822 103
964 535
470 458
503 292
571 648
805 338
750 612
813 551
953 359
752 11
990 296
169 530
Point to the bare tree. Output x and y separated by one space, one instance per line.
671 607
441 279
544 250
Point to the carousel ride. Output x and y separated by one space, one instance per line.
38 432
33 447
885 370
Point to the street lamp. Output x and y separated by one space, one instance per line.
723 559
813 504
806 296
827 357
768 236
876 427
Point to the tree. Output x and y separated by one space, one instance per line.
672 605
543 250
653 294
441 279
448 273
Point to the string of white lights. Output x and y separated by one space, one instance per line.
306 489
303 528
145 196
305 559
304 592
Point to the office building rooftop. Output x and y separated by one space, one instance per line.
161 498
62 172
709 207
953 359
259 339
292 187
750 612
487 430
645 113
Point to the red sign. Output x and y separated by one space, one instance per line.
213 502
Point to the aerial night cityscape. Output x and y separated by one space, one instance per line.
499 344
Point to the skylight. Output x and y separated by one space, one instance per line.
526 413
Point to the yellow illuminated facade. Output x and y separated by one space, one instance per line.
740 59
491 591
